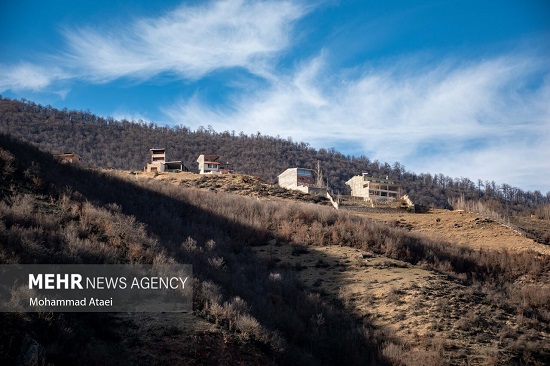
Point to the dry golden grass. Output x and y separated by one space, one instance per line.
435 319
462 228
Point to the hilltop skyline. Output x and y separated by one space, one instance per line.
459 88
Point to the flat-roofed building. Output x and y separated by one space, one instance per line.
160 164
68 158
210 164
373 188
301 179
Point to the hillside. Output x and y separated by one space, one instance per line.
278 281
240 184
56 213
108 143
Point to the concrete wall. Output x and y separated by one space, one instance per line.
357 185
156 166
288 178
294 177
291 179
321 191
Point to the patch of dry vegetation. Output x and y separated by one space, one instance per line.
535 226
243 185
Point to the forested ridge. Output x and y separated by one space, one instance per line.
110 143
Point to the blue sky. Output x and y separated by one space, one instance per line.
454 87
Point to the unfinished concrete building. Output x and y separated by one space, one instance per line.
160 164
373 189
210 164
68 158
301 179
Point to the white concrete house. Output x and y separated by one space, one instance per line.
301 179
209 164
373 188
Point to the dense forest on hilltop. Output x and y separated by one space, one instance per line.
109 143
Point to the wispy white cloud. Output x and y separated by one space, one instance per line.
521 162
190 41
27 76
454 114
124 114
